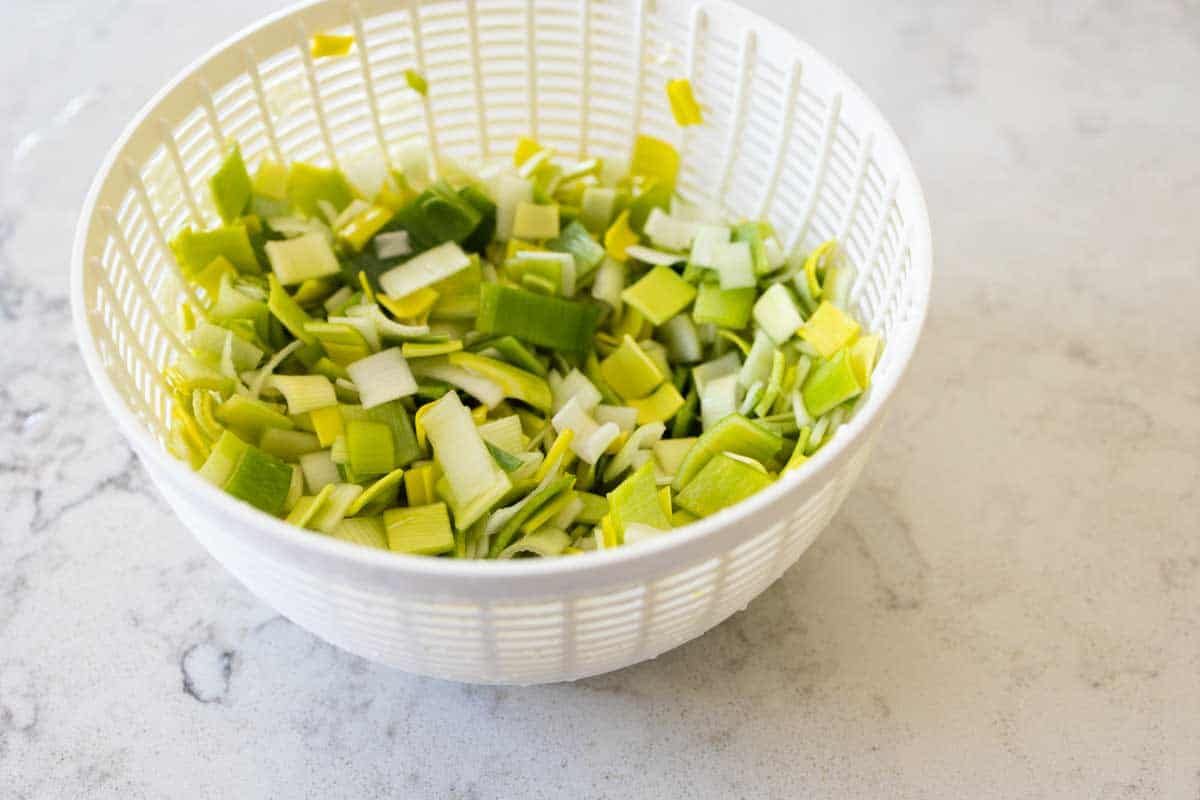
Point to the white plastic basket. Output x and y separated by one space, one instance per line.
786 136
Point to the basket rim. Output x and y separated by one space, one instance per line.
158 459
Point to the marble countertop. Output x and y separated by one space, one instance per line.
1009 605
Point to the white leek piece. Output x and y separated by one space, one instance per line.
668 232
422 270
392 244
623 417
382 377
574 385
476 482
777 314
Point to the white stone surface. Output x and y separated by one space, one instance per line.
1009 605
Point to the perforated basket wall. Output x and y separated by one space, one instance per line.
786 137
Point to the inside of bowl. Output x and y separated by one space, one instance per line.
784 138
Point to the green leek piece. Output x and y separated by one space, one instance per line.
684 418
515 383
832 383
654 158
681 518
343 344
424 270
684 107
507 461
528 507
564 325
864 353
635 500
222 459
404 439
777 314
249 418
430 349
660 294
630 372
670 454
733 434
297 260
659 406
421 530
308 186
261 479
288 445
288 311
195 250
230 186
271 180
458 294
416 81
328 45
534 221
594 507
370 448
367 531
576 240
510 349
728 308
304 392
439 215
474 480
546 543
722 482
829 329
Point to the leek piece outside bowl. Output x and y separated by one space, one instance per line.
786 137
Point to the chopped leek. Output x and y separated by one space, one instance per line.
683 103
660 294
539 359
327 45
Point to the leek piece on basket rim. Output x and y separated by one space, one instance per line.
684 107
420 530
416 81
474 480
660 294
723 481
654 158
328 45
331 513
566 325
